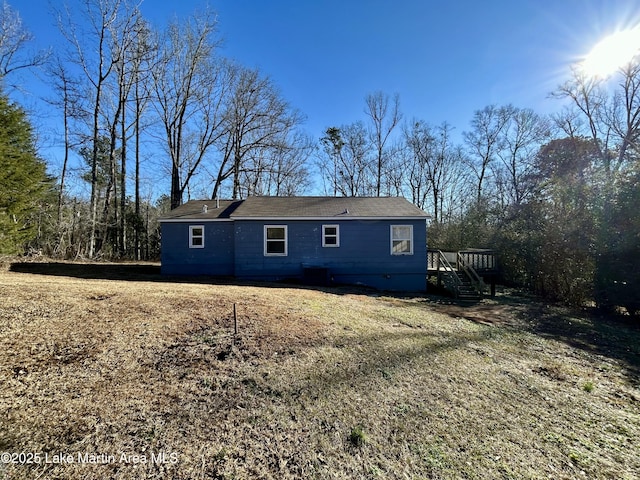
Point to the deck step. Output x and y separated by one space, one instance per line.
467 292
463 283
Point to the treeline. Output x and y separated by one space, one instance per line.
555 195
557 202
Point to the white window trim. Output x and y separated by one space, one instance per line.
286 241
410 252
191 236
324 236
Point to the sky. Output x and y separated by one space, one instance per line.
445 59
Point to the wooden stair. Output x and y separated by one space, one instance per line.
462 280
467 292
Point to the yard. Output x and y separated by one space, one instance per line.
117 373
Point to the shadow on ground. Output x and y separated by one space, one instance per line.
149 272
595 332
612 336
608 335
106 271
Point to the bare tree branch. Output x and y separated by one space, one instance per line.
14 39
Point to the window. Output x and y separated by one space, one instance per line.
401 239
196 236
330 235
275 240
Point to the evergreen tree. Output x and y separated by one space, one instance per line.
23 178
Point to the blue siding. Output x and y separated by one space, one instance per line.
363 257
216 258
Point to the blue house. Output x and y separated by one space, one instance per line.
374 241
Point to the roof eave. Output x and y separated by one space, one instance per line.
333 218
193 219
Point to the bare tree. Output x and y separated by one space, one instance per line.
141 66
90 38
136 49
611 113
14 40
189 82
290 174
420 143
623 113
435 166
69 100
332 144
521 138
279 170
483 140
257 122
568 121
349 149
384 119
396 169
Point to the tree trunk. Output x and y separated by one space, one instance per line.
65 119
123 182
137 180
94 174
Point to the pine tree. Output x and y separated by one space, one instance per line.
23 178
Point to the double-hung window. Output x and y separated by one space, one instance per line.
401 239
275 240
330 235
196 236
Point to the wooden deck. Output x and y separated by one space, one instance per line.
464 272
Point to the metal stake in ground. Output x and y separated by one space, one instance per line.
235 320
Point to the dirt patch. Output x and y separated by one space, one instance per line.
486 314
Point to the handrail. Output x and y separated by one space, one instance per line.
442 257
462 264
449 268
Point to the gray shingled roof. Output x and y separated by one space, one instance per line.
299 207
339 207
193 210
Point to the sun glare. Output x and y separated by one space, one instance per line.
612 52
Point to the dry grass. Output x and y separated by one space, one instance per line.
318 384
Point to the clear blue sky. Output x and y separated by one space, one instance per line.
444 58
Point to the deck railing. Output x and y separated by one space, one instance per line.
482 261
